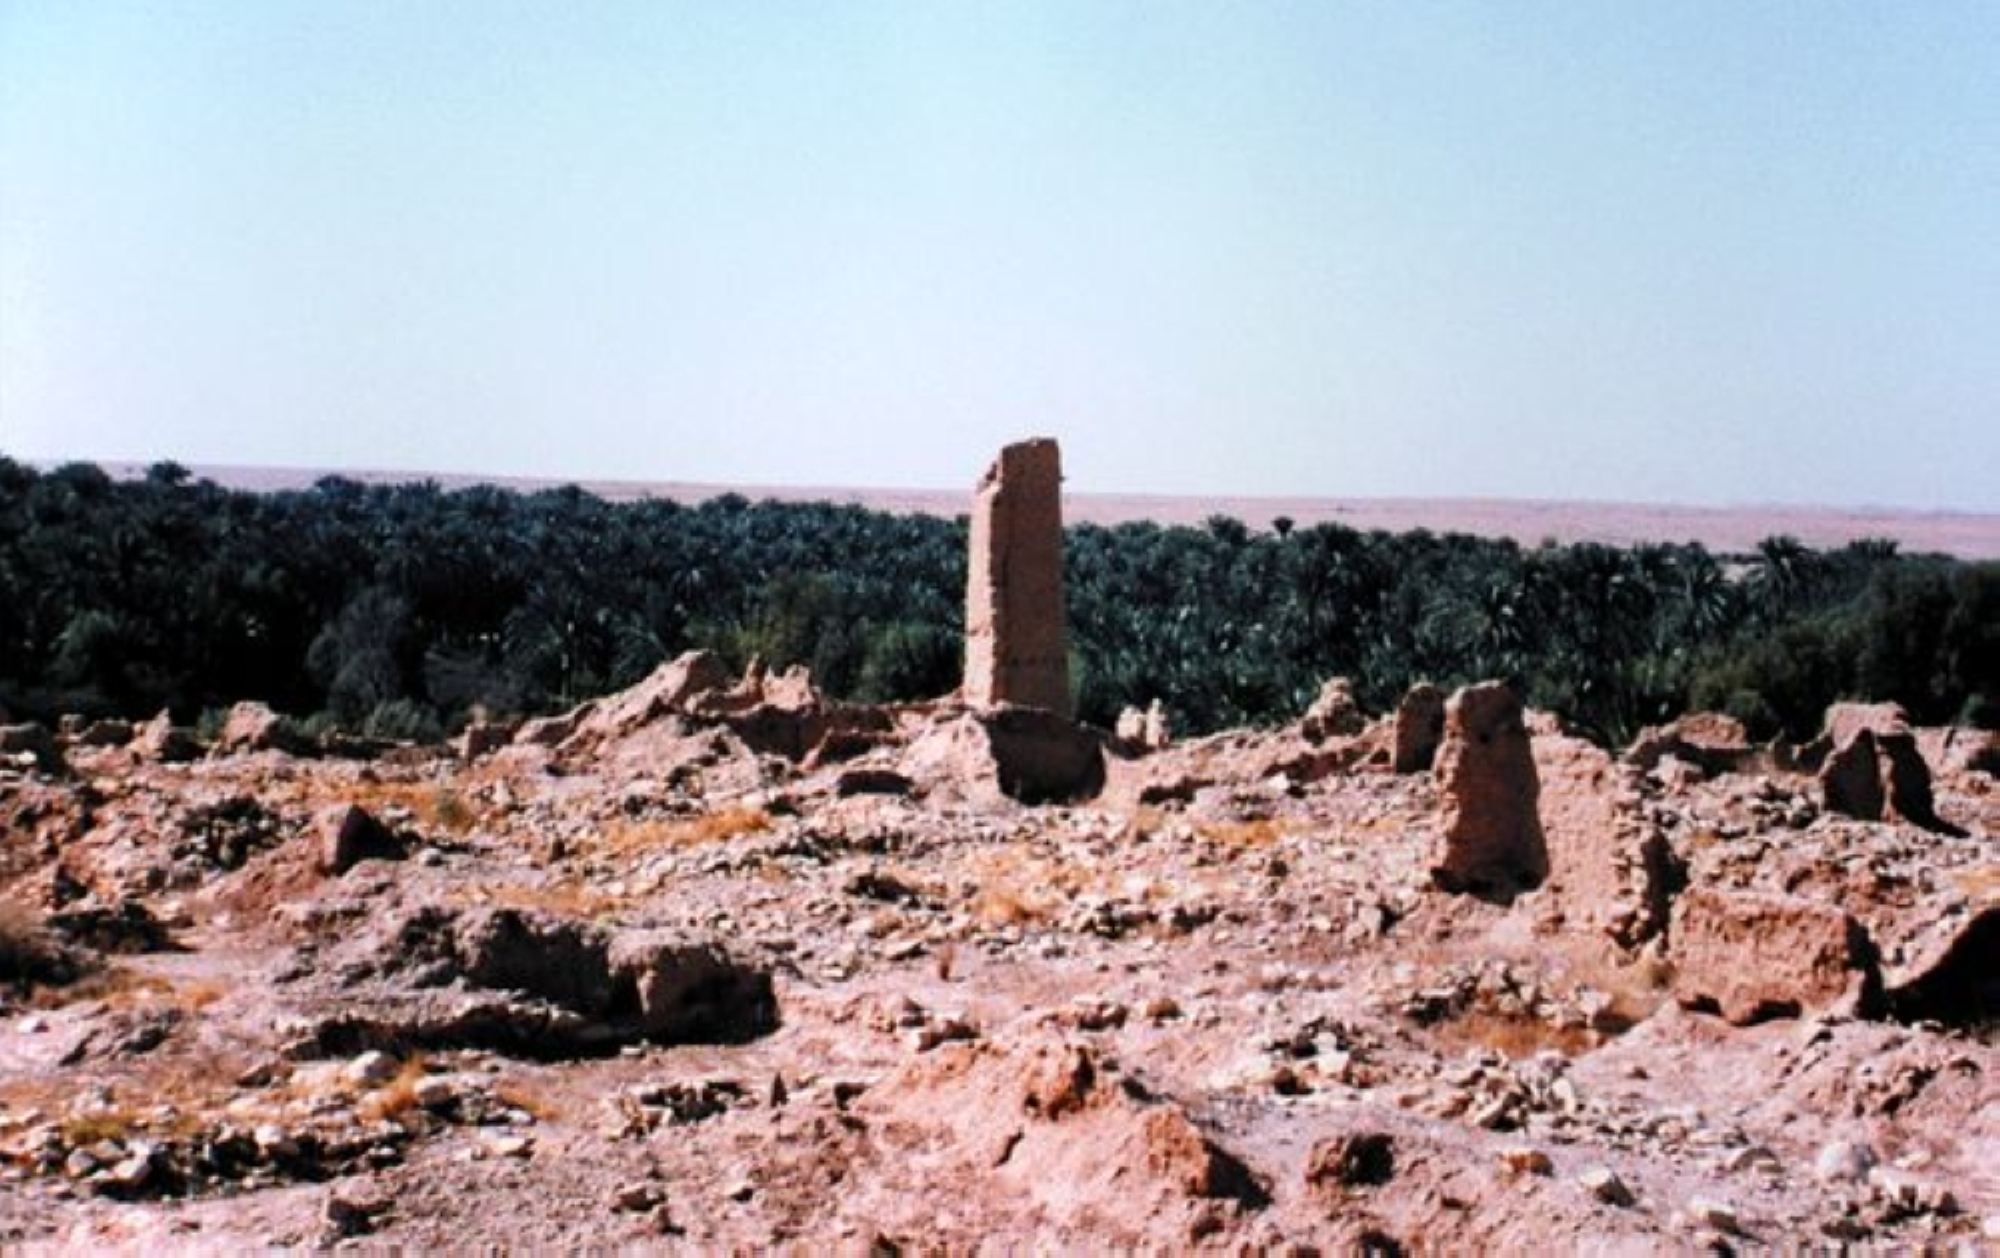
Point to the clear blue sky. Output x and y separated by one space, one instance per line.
1728 252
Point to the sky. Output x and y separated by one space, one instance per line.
1709 253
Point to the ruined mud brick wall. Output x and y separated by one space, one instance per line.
1016 642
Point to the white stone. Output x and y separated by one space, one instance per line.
1844 1162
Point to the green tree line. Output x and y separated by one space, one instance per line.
401 610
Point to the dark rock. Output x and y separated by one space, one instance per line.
125 927
31 745
1419 728
1359 1159
872 782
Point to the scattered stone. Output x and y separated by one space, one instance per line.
1716 1215
1362 1159
1844 1162
637 1198
347 1216
372 1069
1908 1195
1603 1183
508 1146
1526 1160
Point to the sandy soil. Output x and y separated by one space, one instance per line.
1732 529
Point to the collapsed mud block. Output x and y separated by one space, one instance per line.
251 726
1710 741
1751 955
531 984
1955 980
1874 771
1027 755
1611 870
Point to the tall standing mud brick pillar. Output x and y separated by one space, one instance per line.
1016 643
1492 824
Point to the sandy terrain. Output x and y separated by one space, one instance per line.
1968 535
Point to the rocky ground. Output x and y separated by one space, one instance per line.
717 963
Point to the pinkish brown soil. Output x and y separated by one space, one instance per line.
1220 1005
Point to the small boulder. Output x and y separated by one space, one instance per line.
483 738
1603 1183
1357 1159
160 741
1334 713
1141 731
1844 1162
1183 1155
351 835
253 726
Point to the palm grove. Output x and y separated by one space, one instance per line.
401 611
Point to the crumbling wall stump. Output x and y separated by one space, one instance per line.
1016 641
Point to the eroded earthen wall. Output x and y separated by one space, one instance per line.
1016 642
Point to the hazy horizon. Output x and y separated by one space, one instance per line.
244 475
1700 255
